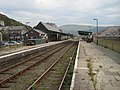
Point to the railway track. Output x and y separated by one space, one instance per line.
23 56
22 74
30 57
53 77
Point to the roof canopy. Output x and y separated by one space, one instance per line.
84 32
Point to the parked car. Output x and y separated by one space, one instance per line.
30 42
19 42
2 43
11 43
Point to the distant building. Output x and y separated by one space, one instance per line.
2 33
1 36
2 23
14 33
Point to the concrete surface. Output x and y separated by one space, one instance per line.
106 67
8 50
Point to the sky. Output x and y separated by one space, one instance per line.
62 12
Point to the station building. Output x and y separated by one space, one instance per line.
52 31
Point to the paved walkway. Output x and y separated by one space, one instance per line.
103 64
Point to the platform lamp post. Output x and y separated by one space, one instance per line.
97 29
27 25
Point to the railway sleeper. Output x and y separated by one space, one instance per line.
4 85
12 81
6 73
17 74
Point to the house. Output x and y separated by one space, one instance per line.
111 31
1 33
2 23
51 30
34 36
14 33
1 37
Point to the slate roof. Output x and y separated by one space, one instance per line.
34 30
17 27
2 28
113 31
12 28
51 28
38 31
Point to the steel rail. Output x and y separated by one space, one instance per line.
2 82
71 58
24 57
19 63
41 76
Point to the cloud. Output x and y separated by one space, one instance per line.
63 11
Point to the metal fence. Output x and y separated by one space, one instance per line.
112 43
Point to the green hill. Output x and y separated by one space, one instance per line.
9 22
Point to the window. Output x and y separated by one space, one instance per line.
31 37
42 34
26 34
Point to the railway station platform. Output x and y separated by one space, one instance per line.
17 53
8 50
96 68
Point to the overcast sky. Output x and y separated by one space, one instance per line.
63 12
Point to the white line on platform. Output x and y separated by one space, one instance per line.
75 68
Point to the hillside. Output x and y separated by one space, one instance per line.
8 21
73 29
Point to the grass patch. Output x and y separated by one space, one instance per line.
93 75
68 78
84 51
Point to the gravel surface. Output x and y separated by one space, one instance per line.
22 82
55 75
